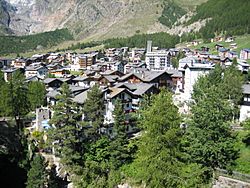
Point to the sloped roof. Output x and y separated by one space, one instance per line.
81 98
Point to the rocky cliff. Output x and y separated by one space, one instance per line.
96 19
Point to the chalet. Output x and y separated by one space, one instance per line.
245 54
54 66
39 71
112 72
52 57
108 80
20 63
229 39
116 66
125 96
52 83
131 78
59 73
232 54
138 90
51 97
82 81
131 66
8 73
223 52
243 66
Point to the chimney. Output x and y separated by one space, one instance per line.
149 46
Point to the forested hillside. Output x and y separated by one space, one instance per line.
162 40
171 13
19 44
228 16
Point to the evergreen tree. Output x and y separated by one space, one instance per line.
211 140
65 136
158 161
16 99
37 174
36 94
216 97
119 153
93 110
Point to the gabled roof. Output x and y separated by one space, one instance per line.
81 98
138 89
49 80
223 50
126 76
246 50
35 68
80 78
116 91
111 78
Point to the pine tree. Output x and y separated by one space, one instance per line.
65 136
16 101
157 163
93 110
36 94
216 97
119 153
37 174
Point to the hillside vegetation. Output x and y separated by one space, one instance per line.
228 16
162 40
171 13
20 44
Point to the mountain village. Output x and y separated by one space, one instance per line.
123 74
127 74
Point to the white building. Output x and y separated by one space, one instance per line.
39 71
191 73
245 105
158 59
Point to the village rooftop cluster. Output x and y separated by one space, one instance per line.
127 74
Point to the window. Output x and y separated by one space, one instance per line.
162 62
151 61
127 105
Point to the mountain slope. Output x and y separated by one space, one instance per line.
98 19
228 16
5 8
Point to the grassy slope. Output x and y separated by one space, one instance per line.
189 4
242 42
243 162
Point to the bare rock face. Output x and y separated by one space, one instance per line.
91 19
82 17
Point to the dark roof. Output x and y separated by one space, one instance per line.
49 80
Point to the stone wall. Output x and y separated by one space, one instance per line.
225 182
